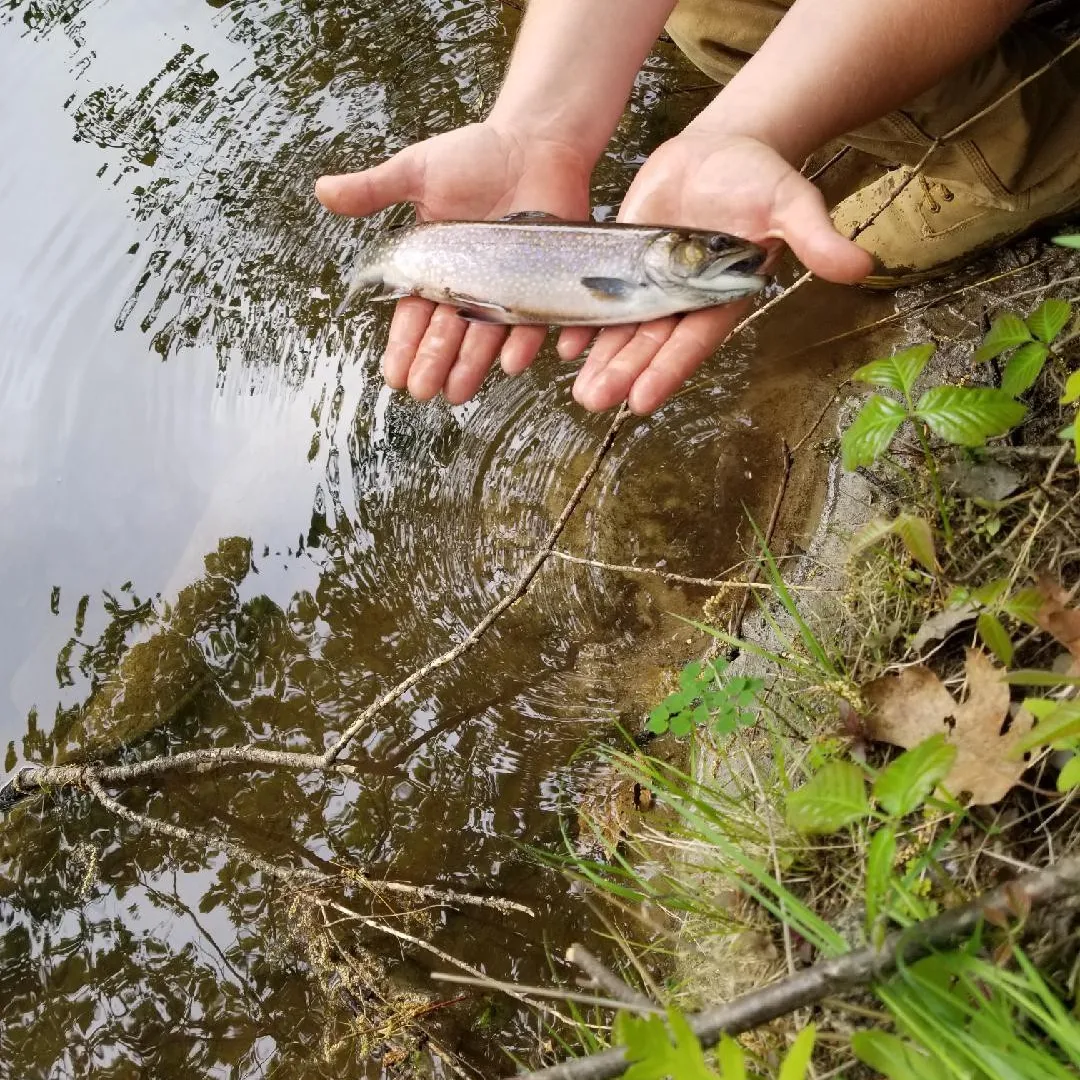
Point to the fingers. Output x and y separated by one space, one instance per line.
644 366
619 356
573 341
436 353
521 348
477 354
691 343
407 329
361 193
803 220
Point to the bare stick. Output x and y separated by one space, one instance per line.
420 943
647 1009
854 969
664 575
442 896
605 978
178 832
478 631
35 778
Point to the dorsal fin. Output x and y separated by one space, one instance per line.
530 215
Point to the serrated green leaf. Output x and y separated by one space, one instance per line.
1024 367
1054 729
969 416
871 431
1072 389
681 699
658 720
879 868
1024 605
1006 332
653 1055
917 536
1069 240
1049 319
995 637
904 785
797 1062
899 371
833 797
1069 777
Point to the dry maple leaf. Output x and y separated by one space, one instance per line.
914 705
1056 619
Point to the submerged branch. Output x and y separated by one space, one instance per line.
515 594
43 778
854 969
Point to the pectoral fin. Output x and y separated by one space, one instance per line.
473 310
609 288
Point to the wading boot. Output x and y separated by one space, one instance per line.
934 226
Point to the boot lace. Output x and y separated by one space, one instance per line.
932 190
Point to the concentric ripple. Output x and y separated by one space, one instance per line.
218 528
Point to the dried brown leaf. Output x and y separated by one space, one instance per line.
943 623
914 705
1056 619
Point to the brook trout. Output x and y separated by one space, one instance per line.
534 268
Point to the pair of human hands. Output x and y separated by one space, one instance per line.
734 184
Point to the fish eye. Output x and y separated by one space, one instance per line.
717 242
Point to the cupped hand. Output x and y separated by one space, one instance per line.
472 173
732 184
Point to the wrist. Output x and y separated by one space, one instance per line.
724 122
529 124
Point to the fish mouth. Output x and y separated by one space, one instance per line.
733 272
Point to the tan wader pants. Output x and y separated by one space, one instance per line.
1026 149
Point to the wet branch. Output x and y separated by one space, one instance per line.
43 778
519 590
855 969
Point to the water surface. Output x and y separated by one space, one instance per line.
197 460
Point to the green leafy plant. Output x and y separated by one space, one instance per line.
1026 341
958 1015
836 797
1058 728
657 1051
963 416
914 532
706 698
989 603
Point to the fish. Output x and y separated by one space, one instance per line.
533 268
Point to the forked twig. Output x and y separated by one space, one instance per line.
853 969
519 590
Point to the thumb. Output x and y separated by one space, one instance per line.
803 222
361 193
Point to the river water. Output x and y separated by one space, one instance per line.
218 528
